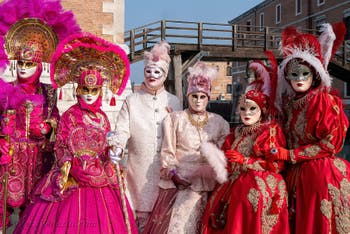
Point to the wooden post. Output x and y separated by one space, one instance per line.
266 38
234 37
177 64
200 35
132 44
144 38
162 28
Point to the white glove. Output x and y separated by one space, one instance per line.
115 155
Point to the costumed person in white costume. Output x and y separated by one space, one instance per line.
139 129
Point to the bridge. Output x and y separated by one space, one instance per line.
191 41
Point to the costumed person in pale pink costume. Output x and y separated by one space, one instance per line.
29 31
188 168
138 127
254 199
82 192
315 124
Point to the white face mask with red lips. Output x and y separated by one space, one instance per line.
26 69
154 77
249 112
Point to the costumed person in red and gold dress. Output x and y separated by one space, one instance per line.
83 191
188 168
315 125
29 33
254 199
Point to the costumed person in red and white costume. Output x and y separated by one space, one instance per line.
83 193
254 199
315 125
29 33
188 168
139 129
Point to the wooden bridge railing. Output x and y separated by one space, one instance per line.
234 37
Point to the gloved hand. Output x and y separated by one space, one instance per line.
234 156
115 154
45 128
278 153
180 182
64 176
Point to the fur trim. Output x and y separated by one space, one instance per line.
217 160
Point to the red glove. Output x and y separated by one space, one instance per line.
234 156
180 182
278 154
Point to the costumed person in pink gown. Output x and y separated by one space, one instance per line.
29 34
139 130
82 192
315 124
188 168
254 199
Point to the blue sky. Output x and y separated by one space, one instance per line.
139 13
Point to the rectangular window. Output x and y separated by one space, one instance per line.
261 22
229 88
249 24
347 89
298 7
320 2
278 13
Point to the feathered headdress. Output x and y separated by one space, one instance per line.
200 77
29 29
263 89
87 56
317 52
158 56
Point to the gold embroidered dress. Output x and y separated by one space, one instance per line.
318 181
255 193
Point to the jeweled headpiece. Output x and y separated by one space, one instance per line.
89 60
200 77
31 29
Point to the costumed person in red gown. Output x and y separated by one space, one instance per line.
83 191
29 33
315 125
188 168
254 199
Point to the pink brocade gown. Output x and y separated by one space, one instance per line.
255 194
91 203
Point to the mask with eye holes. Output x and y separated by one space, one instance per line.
249 112
197 102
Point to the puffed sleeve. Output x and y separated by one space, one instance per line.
168 153
122 126
63 153
325 129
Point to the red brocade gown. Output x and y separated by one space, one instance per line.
255 193
318 182
91 201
